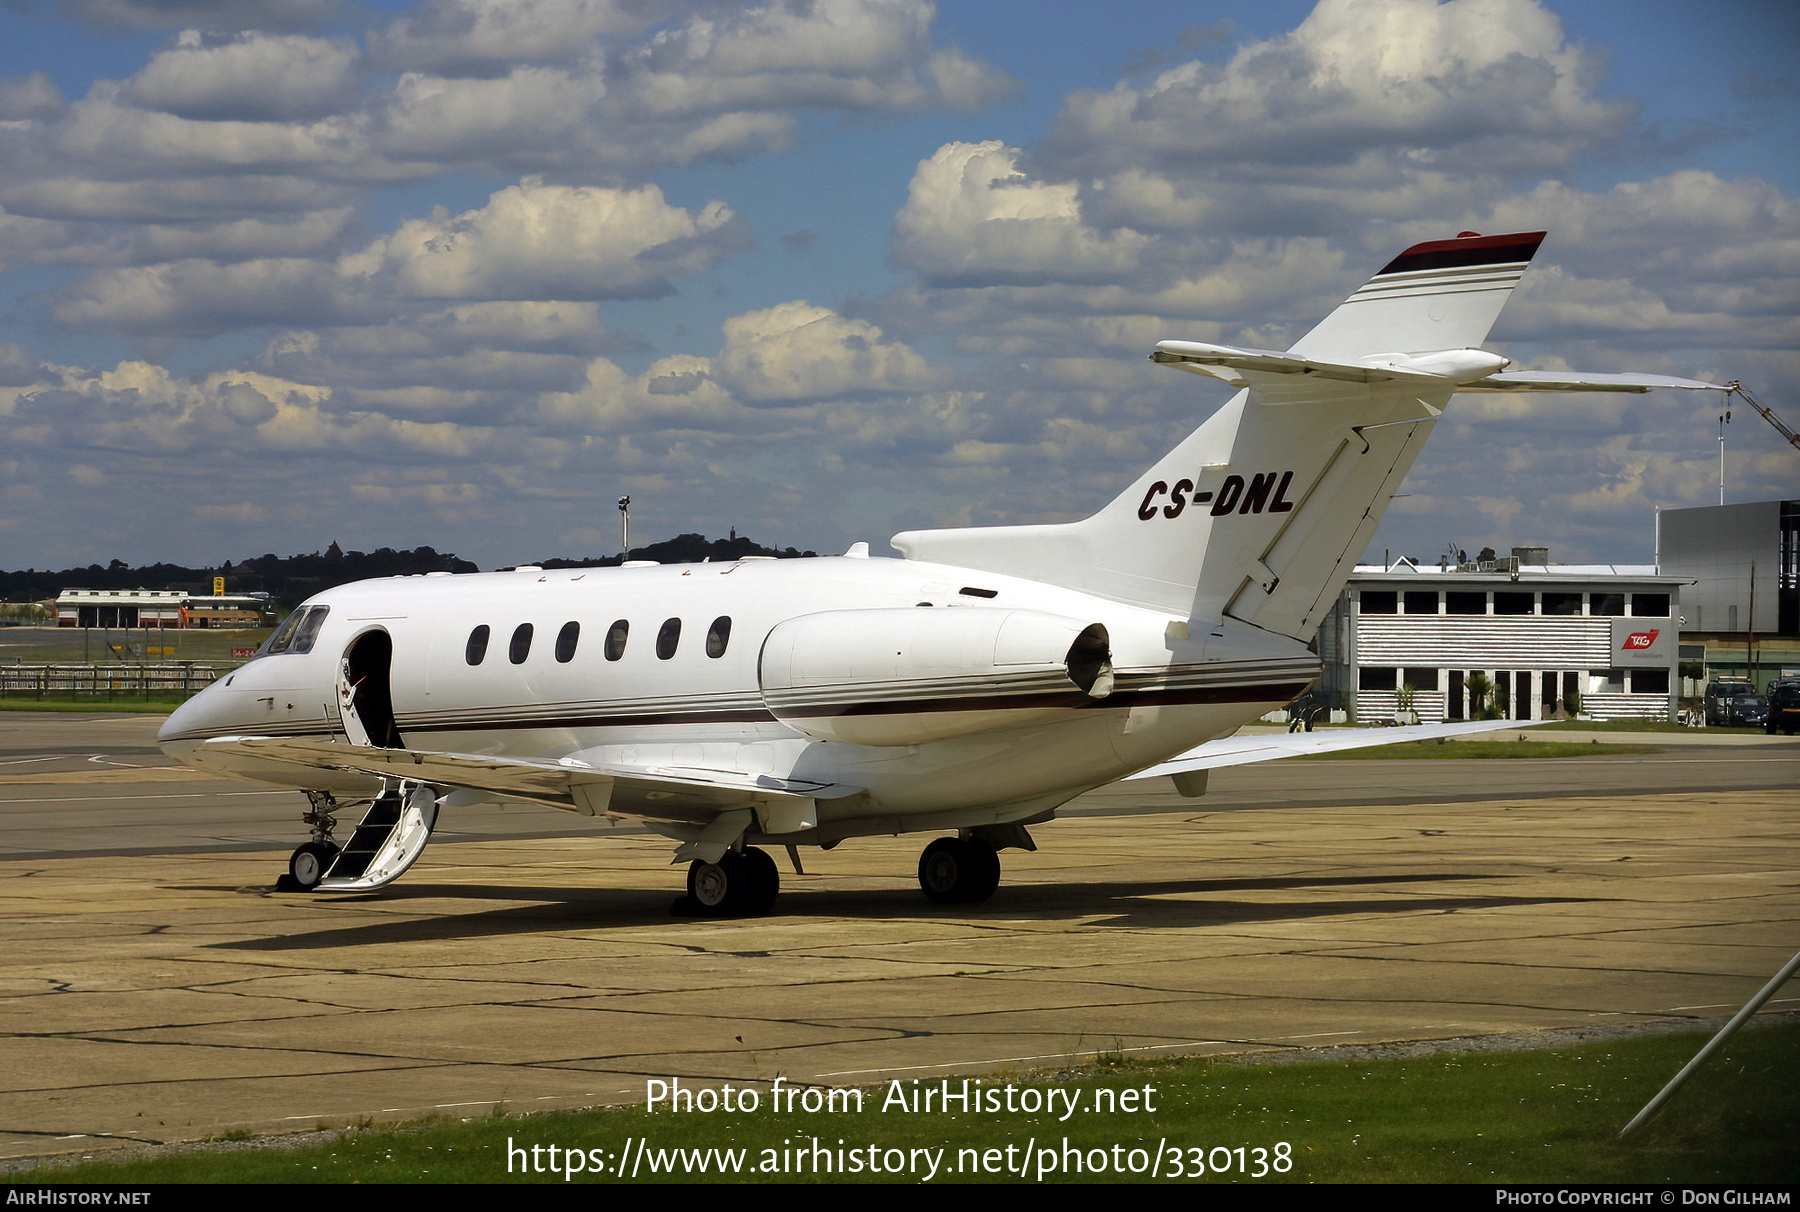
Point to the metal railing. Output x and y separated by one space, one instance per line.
111 681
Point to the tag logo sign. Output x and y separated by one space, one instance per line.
1638 641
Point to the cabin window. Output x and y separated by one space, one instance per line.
1512 603
667 639
718 635
615 639
1562 603
1650 605
1380 601
566 639
520 648
476 652
1421 601
1465 601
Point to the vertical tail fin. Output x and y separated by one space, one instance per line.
1445 294
1261 512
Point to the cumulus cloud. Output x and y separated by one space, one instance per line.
485 37
24 98
126 139
799 351
207 14
829 54
973 218
180 200
252 76
197 297
1473 83
538 241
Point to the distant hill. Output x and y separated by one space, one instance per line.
287 579
292 579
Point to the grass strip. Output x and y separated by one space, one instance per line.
1467 1116
1411 750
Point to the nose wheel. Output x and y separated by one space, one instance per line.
959 871
307 866
309 862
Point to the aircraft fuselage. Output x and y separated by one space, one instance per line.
942 693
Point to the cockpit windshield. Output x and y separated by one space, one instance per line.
296 633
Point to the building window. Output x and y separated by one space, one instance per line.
476 652
1420 679
1380 601
1649 681
1421 601
1650 605
520 648
1512 603
1562 603
1611 605
615 639
1465 602
717 636
667 638
566 639
1377 677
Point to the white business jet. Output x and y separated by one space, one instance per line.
972 687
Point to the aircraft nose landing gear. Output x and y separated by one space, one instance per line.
308 865
309 862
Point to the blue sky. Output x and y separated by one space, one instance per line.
281 272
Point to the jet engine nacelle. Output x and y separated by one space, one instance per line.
906 676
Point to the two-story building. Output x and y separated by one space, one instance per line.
1503 639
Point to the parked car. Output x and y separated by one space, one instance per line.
1720 697
1784 709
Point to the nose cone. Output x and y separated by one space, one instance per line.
191 723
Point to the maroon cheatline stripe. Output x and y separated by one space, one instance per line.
1471 250
1072 699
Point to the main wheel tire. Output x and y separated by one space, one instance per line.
717 888
309 863
953 871
763 882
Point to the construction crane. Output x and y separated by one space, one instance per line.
1768 414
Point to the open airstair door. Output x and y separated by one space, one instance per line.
365 701
390 839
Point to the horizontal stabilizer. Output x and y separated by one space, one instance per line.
1551 380
1263 747
1240 367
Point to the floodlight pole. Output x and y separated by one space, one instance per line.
1713 1045
624 528
1723 418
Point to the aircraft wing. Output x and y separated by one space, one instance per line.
1264 747
650 792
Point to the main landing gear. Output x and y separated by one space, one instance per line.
740 884
959 871
962 870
